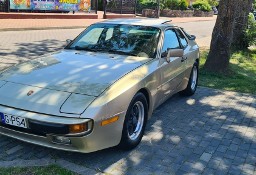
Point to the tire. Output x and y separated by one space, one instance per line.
192 83
135 122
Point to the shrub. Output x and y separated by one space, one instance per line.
251 31
183 5
172 4
213 2
145 5
202 5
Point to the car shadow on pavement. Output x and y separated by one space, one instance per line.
212 132
21 52
39 48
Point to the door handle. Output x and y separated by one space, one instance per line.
183 59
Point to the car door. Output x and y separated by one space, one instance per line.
171 71
190 53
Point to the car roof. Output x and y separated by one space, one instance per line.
140 21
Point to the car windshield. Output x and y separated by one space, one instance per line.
132 40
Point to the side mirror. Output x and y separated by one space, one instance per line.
192 37
68 41
174 53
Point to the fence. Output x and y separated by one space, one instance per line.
3 6
121 6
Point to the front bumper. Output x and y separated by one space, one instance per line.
100 137
39 140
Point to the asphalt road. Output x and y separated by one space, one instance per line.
17 46
202 30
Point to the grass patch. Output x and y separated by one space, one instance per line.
48 170
242 76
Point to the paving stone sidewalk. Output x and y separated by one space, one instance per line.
213 132
39 24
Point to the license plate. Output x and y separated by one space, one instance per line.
13 120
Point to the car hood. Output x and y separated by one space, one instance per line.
78 72
65 82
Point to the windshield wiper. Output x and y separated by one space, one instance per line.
86 49
122 52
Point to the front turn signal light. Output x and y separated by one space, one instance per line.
109 120
77 128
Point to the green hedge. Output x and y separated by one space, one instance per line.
145 5
183 5
202 5
213 2
174 4
164 4
251 31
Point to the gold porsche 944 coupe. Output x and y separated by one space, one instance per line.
101 89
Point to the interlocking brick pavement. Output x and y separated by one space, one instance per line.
212 132
16 47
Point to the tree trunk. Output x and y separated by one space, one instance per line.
241 22
222 36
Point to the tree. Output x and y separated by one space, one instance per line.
241 22
222 36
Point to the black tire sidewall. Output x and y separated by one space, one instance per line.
189 91
126 143
191 77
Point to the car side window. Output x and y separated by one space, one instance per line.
182 38
170 42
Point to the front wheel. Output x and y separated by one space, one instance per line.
135 122
192 83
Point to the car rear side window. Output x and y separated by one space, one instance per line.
182 38
170 41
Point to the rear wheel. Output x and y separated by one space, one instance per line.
192 83
135 122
